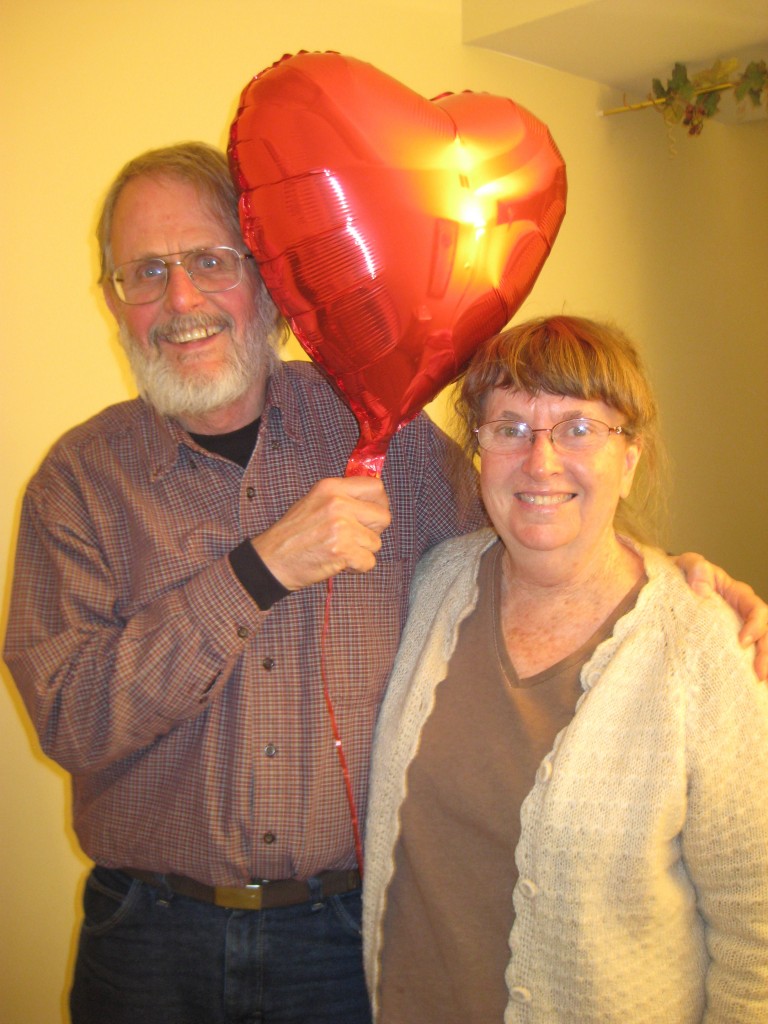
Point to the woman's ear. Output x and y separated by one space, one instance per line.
631 459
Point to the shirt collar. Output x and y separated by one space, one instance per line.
282 405
163 438
166 436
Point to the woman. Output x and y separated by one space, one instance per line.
572 826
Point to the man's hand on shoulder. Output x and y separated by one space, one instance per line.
703 577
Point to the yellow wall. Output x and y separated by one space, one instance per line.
672 246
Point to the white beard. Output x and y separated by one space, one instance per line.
195 393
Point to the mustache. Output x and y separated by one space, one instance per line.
190 322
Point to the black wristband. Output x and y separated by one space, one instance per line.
253 574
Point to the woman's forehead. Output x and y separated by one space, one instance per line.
505 403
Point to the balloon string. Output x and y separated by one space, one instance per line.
336 735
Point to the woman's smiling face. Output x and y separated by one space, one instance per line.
542 499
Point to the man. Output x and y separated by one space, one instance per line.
168 633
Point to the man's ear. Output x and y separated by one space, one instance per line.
112 301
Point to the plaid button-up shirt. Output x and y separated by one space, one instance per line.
193 723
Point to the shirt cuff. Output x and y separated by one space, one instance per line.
263 587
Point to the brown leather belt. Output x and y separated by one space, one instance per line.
260 895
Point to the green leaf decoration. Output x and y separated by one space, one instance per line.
691 101
753 82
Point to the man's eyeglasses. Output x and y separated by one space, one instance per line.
216 269
577 435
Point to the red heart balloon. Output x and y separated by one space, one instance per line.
394 233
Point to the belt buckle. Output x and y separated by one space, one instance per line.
248 897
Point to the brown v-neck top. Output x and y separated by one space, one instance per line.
449 907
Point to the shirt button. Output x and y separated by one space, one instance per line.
270 750
268 663
250 492
544 774
528 888
518 994
243 632
269 838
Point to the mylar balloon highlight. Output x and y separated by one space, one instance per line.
394 233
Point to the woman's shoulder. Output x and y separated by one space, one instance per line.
445 581
454 557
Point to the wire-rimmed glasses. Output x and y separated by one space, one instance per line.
216 268
572 436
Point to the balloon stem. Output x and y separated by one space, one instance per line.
368 465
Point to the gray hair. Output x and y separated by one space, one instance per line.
196 163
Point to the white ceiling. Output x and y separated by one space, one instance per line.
621 43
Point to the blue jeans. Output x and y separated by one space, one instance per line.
149 956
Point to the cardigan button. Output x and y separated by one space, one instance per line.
520 994
528 888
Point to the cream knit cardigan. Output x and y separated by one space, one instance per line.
643 858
